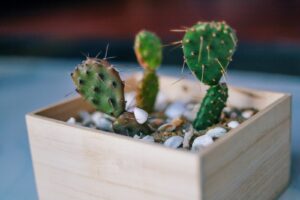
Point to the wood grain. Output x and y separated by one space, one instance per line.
250 162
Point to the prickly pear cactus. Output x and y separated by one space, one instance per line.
148 50
100 84
208 48
126 124
211 106
147 91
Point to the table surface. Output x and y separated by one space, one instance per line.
27 84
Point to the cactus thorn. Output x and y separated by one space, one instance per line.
200 48
208 52
178 30
110 101
106 51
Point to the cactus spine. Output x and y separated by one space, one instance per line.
208 48
148 50
100 84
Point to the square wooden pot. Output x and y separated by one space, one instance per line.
250 162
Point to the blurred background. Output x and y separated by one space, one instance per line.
42 40
268 30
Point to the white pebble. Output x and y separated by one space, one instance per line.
130 100
136 137
216 132
71 120
201 142
85 117
247 114
103 124
233 124
175 110
140 115
96 116
148 138
161 101
191 111
187 137
227 109
173 142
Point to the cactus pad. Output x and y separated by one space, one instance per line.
100 84
148 50
208 48
147 91
211 107
126 124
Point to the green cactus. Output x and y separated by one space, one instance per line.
211 106
147 90
208 48
148 50
100 84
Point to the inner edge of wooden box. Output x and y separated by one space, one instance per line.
61 111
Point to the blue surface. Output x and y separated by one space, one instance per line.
30 83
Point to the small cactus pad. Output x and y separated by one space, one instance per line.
147 91
211 107
208 48
126 124
100 84
148 50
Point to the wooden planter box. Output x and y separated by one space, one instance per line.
250 162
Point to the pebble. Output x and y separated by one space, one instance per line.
71 120
85 118
216 132
177 122
201 142
175 110
166 128
231 112
247 114
233 124
161 102
156 122
191 111
104 124
148 138
137 137
187 137
130 100
140 115
173 142
96 116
